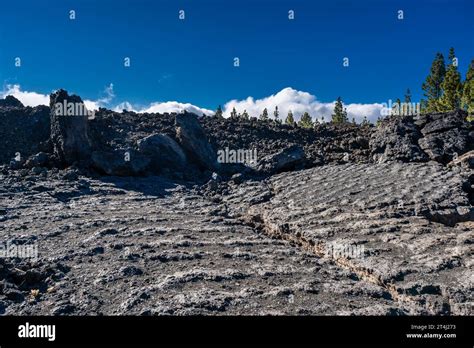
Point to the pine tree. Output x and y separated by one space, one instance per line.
276 113
245 115
290 119
264 115
408 96
452 86
432 86
306 121
340 114
218 113
365 122
353 120
345 119
468 90
397 108
233 113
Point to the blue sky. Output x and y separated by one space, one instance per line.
191 60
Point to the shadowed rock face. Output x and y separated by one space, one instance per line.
23 130
163 151
397 139
10 101
445 136
69 133
194 141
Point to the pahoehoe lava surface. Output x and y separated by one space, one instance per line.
171 231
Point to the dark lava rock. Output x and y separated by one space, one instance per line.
14 295
71 175
23 132
396 138
130 271
10 101
163 152
62 309
69 134
118 163
193 139
286 159
41 159
446 135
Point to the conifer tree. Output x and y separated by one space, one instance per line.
276 113
264 115
468 90
233 113
306 121
218 113
345 119
408 96
365 121
245 115
340 114
290 119
452 86
397 107
432 86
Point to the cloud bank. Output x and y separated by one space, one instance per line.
300 102
287 99
34 99
27 98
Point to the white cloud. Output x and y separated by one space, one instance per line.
174 106
124 106
34 99
299 102
287 99
27 98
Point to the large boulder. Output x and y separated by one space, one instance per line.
292 157
396 139
119 163
445 135
69 128
194 141
163 151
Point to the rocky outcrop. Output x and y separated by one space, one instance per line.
396 139
120 163
163 152
438 137
69 130
10 102
286 159
24 131
185 145
194 141
445 135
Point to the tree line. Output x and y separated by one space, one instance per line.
443 88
